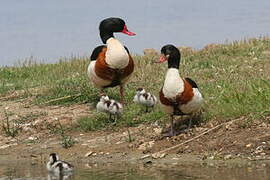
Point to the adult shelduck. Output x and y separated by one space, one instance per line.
145 98
56 166
111 64
178 96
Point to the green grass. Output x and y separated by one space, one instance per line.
234 80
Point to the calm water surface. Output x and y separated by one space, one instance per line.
24 170
48 30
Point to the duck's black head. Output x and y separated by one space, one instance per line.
110 25
171 54
53 157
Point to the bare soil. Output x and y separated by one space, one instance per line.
35 140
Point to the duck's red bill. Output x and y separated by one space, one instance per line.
126 31
162 59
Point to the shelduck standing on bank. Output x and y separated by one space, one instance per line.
178 96
111 64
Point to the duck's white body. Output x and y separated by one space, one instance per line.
97 81
116 57
174 87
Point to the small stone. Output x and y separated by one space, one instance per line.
228 156
4 146
145 156
146 145
211 157
32 138
88 154
248 145
148 162
119 142
158 130
158 155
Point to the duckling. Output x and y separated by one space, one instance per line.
102 105
115 109
145 98
109 106
55 165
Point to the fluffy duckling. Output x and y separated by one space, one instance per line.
145 98
110 106
115 109
55 165
102 105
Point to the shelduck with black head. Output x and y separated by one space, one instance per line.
178 96
111 64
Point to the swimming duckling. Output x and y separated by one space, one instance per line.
145 98
55 165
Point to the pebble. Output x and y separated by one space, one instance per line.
248 145
158 155
32 138
145 156
88 154
228 156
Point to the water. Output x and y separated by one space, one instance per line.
48 30
22 170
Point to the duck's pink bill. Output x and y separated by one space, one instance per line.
162 59
126 31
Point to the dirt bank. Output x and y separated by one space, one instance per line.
211 141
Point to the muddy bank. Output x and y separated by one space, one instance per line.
215 142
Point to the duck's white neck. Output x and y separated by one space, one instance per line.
173 84
116 55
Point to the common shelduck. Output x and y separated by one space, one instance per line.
145 98
56 166
111 64
110 106
178 96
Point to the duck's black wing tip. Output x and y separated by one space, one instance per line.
191 82
96 52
